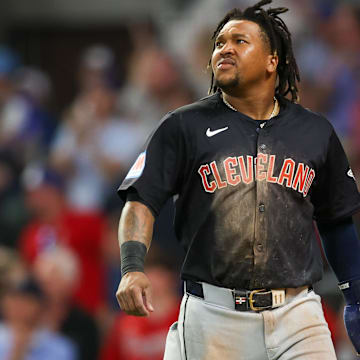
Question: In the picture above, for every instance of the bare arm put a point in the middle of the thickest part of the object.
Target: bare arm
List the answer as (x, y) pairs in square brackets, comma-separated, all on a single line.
[(136, 223), (134, 292)]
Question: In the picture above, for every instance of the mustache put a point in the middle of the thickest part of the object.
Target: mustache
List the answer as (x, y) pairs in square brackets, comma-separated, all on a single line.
[(226, 60)]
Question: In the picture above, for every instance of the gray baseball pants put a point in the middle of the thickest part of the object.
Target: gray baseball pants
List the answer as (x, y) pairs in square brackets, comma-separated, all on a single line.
[(209, 329)]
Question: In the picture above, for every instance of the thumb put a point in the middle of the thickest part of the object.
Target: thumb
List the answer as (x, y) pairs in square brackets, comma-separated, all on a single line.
[(148, 299)]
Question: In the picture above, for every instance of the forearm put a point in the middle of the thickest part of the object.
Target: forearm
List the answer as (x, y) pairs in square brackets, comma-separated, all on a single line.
[(135, 233), (136, 223), (342, 248)]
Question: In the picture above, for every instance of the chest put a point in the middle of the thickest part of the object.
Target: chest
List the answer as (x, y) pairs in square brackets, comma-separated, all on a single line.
[(234, 151)]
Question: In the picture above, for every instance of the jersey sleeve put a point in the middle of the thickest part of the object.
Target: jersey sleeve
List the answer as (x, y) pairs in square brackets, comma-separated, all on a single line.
[(335, 195), (156, 175)]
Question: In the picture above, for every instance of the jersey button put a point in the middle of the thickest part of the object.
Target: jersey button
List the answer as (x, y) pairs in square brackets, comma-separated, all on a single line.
[(261, 207), (260, 247), (262, 146)]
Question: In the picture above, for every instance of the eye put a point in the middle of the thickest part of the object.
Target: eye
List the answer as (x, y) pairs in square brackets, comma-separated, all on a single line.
[(219, 44), (240, 41)]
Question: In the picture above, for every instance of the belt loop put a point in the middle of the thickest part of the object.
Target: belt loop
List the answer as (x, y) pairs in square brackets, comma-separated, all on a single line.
[(219, 296)]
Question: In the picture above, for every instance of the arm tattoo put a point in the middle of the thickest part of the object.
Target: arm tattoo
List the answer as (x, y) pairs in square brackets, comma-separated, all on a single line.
[(136, 223)]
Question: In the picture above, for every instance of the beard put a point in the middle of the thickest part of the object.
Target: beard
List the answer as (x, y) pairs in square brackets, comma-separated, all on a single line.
[(227, 84)]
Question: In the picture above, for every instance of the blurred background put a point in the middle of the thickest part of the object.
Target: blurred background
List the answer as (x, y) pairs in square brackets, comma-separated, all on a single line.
[(82, 84)]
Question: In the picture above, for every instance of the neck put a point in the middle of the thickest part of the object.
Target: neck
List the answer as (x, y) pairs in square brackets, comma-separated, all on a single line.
[(258, 106), (55, 313)]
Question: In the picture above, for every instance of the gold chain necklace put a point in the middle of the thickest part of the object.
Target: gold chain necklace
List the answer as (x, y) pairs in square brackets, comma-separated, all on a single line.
[(274, 112)]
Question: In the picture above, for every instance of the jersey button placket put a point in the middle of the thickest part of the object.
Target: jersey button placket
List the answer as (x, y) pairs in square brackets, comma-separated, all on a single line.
[(259, 245)]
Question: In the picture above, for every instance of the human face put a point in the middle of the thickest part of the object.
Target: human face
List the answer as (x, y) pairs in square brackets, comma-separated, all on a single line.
[(21, 309), (241, 56)]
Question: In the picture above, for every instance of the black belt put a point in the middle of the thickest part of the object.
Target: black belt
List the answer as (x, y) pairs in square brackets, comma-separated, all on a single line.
[(244, 300)]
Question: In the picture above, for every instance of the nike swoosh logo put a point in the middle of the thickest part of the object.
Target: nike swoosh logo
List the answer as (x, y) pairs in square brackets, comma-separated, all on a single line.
[(350, 174), (210, 133)]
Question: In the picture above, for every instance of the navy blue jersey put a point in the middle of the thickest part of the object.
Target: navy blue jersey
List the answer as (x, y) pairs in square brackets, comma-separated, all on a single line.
[(247, 193)]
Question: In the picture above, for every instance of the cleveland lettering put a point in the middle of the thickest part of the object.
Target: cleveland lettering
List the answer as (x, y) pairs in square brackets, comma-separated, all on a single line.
[(247, 169)]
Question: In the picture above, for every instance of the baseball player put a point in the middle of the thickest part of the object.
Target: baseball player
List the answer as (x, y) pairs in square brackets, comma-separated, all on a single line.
[(251, 170)]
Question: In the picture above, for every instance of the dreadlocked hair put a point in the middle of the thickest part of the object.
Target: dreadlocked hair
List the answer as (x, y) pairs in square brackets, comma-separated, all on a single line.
[(278, 37)]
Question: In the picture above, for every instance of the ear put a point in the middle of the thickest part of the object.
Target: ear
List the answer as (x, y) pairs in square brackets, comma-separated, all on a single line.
[(272, 63)]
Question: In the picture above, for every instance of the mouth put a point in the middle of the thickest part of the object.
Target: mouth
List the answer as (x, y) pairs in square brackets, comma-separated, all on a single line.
[(225, 64)]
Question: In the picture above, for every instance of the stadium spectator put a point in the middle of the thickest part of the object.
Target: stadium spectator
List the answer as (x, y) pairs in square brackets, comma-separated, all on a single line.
[(93, 146), (12, 269), (57, 272), (13, 214), (25, 126), (156, 82), (54, 224), (134, 338), (22, 335)]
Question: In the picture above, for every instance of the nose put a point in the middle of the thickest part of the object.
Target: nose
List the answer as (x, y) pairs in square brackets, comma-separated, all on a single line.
[(227, 48)]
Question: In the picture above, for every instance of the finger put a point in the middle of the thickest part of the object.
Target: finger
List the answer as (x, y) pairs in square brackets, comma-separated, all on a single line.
[(132, 304), (139, 303), (125, 303), (121, 303), (147, 298), (118, 298)]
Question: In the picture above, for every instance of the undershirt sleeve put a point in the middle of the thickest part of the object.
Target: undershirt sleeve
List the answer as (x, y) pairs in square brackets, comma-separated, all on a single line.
[(342, 248)]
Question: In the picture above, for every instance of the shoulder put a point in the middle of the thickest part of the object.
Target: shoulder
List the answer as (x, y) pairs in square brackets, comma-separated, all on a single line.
[(208, 103), (308, 117), (183, 118), (199, 108)]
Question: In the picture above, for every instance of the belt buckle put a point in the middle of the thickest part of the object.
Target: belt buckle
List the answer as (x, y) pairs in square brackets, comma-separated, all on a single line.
[(251, 300)]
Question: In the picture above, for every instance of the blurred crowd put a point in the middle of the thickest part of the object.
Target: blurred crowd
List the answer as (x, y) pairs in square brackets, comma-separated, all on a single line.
[(59, 257)]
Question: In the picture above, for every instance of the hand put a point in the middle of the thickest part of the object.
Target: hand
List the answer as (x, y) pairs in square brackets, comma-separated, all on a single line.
[(352, 324), (134, 294)]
